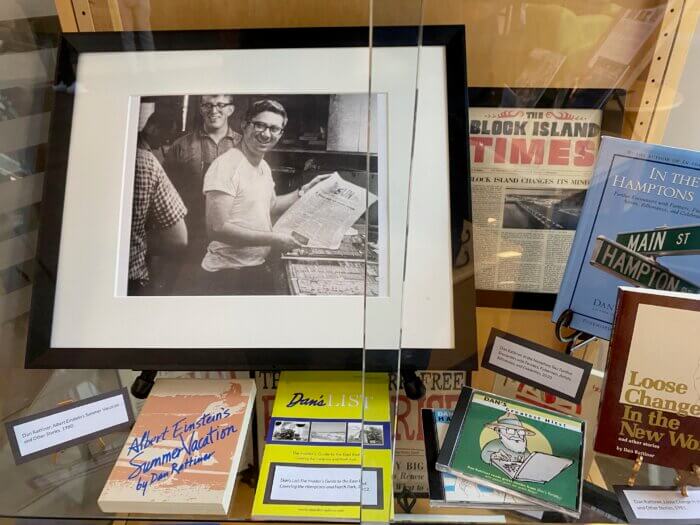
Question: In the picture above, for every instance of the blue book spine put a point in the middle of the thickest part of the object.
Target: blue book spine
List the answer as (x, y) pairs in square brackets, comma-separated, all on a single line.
[(635, 187)]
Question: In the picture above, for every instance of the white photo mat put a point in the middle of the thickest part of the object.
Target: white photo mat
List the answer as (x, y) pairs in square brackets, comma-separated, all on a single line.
[(90, 312)]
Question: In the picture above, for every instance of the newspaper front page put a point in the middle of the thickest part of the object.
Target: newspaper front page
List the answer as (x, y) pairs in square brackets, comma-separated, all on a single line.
[(324, 214), (529, 171)]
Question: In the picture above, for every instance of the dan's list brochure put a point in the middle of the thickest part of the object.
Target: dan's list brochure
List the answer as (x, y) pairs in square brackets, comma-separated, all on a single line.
[(183, 453), (322, 460)]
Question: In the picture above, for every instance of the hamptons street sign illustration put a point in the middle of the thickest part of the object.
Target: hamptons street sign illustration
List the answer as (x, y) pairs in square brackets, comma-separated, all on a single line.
[(679, 240), (633, 267)]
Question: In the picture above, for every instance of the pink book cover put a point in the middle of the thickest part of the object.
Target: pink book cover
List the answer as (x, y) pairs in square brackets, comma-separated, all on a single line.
[(183, 453)]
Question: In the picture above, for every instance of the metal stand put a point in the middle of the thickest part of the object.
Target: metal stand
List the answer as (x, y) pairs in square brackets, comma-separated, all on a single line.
[(575, 340), (406, 499), (635, 470), (683, 479), (412, 384), (143, 383)]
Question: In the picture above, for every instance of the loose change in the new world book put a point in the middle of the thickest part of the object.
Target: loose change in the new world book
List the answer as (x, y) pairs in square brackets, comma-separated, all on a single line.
[(521, 449), (651, 402)]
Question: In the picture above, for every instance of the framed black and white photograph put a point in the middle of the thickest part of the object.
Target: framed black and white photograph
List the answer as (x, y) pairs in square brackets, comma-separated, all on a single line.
[(215, 197)]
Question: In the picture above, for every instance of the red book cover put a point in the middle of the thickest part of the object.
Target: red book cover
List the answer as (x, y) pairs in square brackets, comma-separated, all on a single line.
[(651, 400), (182, 454)]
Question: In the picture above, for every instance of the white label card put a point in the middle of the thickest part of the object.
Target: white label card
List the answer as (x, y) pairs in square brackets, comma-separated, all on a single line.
[(65, 426), (329, 485), (528, 362), (660, 505)]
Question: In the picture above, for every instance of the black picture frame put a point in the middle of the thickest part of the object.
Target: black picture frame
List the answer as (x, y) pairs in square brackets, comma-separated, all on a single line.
[(40, 353), (610, 101)]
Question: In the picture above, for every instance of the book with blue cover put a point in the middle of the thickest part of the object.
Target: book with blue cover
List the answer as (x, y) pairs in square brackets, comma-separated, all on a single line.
[(640, 225)]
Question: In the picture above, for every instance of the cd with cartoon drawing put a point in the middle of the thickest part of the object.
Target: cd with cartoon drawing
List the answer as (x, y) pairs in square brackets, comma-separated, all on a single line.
[(517, 448)]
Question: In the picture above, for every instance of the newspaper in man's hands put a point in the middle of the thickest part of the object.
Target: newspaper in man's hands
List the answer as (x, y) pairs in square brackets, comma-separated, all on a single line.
[(320, 218)]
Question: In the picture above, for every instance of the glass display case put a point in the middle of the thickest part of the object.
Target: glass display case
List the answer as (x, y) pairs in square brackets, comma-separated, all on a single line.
[(409, 175)]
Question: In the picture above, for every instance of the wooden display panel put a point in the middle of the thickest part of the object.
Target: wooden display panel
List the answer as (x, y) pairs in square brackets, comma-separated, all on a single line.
[(501, 35)]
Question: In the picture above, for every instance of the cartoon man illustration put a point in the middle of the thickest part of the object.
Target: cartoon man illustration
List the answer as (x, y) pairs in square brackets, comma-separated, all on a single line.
[(511, 444)]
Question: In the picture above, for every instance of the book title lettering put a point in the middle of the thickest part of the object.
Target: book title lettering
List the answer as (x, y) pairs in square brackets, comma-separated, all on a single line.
[(633, 423), (639, 396), (192, 439), (345, 400), (659, 184)]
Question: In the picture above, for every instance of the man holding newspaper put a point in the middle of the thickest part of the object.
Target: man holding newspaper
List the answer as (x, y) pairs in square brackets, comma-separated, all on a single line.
[(241, 206)]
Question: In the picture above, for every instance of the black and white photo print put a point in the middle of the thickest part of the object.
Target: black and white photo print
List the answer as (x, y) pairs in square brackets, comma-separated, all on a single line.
[(256, 195)]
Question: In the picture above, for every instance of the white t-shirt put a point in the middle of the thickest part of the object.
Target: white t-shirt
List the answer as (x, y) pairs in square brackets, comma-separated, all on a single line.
[(253, 191)]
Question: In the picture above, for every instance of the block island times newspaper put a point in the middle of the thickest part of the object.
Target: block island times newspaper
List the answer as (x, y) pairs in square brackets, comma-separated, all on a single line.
[(529, 171)]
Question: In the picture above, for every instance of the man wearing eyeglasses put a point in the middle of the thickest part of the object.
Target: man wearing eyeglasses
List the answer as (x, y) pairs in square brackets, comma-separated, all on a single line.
[(241, 206), (189, 158), (511, 444)]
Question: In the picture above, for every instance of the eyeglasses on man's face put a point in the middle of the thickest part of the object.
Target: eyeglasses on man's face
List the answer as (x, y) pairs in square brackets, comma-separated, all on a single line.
[(208, 106), (514, 432), (261, 127)]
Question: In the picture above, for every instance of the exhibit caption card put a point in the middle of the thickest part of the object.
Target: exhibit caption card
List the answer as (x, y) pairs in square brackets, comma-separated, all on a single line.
[(555, 372), (68, 425), (659, 504)]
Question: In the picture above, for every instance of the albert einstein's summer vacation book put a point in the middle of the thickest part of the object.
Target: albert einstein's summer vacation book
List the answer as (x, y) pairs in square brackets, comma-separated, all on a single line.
[(322, 459), (523, 450), (640, 225), (183, 453), (651, 401)]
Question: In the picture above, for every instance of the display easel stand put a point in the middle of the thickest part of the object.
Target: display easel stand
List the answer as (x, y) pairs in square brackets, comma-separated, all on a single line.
[(412, 384), (683, 479), (575, 340), (406, 499), (635, 470)]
